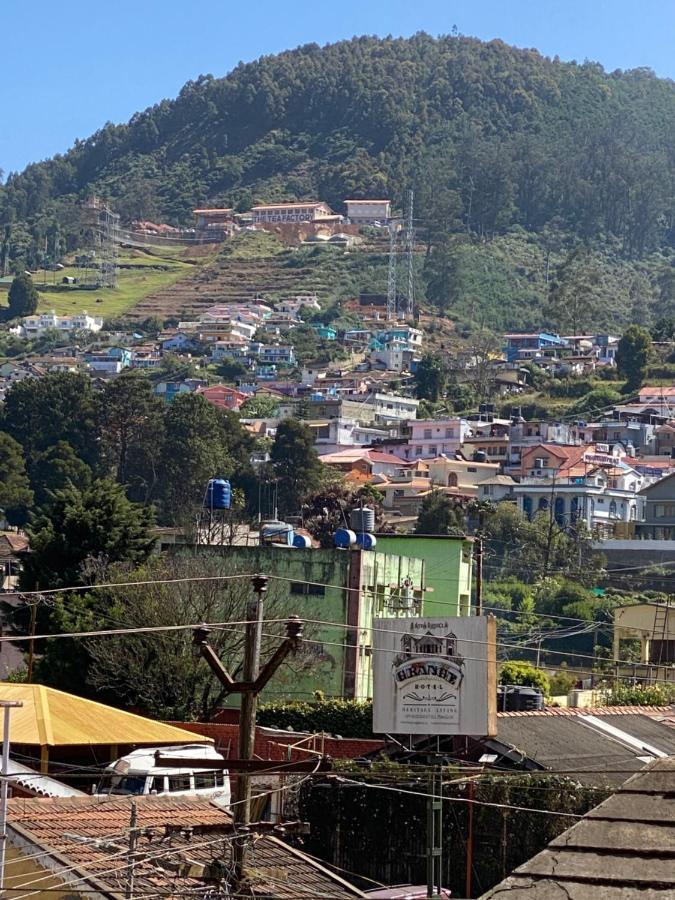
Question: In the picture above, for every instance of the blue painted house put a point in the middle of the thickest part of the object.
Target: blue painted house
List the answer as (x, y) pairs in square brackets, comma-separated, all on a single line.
[(524, 346)]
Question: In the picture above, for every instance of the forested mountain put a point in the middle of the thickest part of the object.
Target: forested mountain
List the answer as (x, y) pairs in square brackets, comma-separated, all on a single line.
[(490, 136)]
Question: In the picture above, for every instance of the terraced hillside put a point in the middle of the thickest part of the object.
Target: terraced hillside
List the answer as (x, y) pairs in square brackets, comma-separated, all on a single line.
[(255, 264)]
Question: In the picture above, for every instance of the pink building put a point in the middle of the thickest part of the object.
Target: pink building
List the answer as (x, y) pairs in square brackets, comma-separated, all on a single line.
[(223, 396)]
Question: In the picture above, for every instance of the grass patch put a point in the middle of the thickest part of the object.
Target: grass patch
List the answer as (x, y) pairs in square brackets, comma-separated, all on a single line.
[(143, 273)]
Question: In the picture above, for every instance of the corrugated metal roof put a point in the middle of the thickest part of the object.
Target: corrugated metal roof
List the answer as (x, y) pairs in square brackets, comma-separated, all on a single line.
[(55, 719), (38, 784)]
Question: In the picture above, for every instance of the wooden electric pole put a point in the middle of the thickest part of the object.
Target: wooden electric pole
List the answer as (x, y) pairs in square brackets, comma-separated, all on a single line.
[(254, 680)]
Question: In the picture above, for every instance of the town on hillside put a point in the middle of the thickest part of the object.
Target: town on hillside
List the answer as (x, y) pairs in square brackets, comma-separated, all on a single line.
[(337, 536)]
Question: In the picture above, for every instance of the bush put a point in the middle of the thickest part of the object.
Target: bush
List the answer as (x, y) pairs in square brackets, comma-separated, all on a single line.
[(562, 683), (348, 718), (639, 695), (516, 672)]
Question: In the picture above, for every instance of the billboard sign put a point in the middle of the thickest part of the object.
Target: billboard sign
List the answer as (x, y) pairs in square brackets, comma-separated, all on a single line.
[(435, 676)]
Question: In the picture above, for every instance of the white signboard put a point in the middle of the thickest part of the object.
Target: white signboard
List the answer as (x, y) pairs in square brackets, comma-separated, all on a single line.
[(435, 676)]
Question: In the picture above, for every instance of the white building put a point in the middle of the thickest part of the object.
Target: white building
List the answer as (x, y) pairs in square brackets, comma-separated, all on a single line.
[(390, 407), (368, 212), (430, 438), (602, 497), (280, 213), (294, 304), (31, 326)]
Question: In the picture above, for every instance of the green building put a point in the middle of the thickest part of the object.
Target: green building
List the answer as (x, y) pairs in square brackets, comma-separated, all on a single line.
[(447, 569), (337, 593)]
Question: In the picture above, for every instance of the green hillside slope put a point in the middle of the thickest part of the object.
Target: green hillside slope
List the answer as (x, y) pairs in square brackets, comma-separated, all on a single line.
[(492, 139)]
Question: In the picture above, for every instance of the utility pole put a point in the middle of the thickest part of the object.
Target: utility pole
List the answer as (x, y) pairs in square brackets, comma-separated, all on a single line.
[(7, 705), (131, 855), (435, 835), (254, 680), (478, 554)]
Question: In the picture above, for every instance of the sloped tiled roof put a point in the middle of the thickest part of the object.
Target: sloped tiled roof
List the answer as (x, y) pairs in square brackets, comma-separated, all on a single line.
[(622, 849), (64, 828)]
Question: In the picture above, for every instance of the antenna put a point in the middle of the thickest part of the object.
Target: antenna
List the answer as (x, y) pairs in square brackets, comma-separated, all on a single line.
[(409, 246), (391, 282)]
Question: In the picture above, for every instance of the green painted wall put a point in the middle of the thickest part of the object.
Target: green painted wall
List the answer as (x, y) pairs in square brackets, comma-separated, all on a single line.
[(313, 584), (447, 569)]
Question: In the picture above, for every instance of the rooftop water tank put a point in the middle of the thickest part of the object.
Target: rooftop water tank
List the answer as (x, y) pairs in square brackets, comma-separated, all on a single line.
[(279, 532), (479, 456), (365, 540), (344, 538), (218, 494), (302, 542), (362, 519), (518, 698)]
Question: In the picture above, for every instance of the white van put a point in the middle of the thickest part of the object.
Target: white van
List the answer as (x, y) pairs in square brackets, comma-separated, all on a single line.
[(138, 773)]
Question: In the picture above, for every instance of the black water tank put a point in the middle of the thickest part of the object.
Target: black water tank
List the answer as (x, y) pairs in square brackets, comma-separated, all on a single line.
[(517, 698)]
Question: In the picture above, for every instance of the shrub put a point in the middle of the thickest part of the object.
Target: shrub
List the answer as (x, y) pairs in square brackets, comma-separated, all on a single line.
[(348, 718), (517, 672), (639, 695)]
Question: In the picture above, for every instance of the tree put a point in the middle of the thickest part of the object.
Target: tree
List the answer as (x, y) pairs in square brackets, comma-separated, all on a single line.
[(443, 273), (231, 370), (574, 296), (439, 514), (23, 297), (430, 378), (632, 356), (326, 510), (263, 407), (96, 526), (57, 468), (40, 412), (131, 427), (516, 672), (161, 672), (296, 464), (201, 442), (16, 497), (595, 402)]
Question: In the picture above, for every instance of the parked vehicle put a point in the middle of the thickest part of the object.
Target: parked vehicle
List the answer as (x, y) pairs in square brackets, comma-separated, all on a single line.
[(137, 773)]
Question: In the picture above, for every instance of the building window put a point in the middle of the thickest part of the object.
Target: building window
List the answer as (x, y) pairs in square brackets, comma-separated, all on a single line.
[(449, 433), (432, 450), (304, 589), (427, 434)]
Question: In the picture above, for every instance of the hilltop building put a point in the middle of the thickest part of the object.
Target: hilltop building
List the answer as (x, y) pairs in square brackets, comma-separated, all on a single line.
[(368, 212), (282, 213)]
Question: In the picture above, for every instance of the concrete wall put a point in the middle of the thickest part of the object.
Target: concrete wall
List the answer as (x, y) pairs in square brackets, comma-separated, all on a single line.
[(344, 587), (448, 569)]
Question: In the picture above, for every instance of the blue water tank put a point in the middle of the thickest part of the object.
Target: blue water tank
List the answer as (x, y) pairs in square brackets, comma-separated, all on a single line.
[(365, 540), (302, 542), (344, 538), (218, 494)]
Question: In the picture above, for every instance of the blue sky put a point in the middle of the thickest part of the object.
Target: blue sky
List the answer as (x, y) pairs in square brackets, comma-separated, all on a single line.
[(69, 67)]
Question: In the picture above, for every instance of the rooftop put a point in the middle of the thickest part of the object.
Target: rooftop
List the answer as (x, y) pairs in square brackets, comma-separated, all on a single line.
[(624, 848), (51, 718), (91, 836)]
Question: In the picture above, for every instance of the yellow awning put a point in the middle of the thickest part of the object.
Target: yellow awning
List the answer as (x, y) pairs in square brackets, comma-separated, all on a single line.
[(51, 718)]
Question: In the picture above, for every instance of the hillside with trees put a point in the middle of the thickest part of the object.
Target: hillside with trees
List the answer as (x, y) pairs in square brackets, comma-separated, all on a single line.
[(535, 180)]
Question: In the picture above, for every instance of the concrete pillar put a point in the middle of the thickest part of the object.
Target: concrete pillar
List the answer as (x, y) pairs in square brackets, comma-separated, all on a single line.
[(645, 648)]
